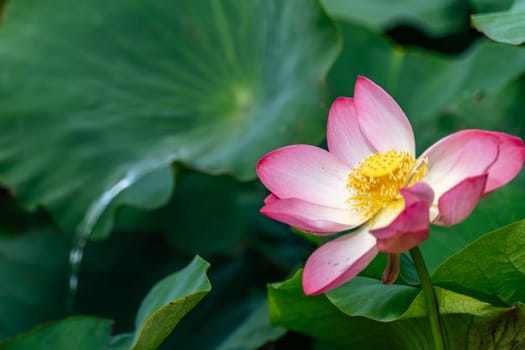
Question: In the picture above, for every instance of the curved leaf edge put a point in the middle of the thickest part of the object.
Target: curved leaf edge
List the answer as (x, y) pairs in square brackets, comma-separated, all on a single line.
[(178, 307)]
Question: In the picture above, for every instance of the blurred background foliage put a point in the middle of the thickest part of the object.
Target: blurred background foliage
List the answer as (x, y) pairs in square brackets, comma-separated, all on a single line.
[(130, 130)]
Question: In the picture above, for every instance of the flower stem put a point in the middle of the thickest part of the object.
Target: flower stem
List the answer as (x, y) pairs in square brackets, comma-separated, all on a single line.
[(430, 298)]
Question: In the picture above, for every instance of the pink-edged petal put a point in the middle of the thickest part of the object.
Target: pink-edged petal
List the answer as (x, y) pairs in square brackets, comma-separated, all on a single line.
[(270, 198), (457, 203), (460, 156), (411, 226), (344, 137), (337, 261), (305, 172), (509, 163), (310, 217), (381, 119)]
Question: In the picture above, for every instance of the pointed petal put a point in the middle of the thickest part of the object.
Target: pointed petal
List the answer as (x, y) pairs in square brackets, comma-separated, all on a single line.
[(412, 225), (310, 217), (305, 172), (457, 203), (381, 119), (270, 198), (509, 163), (460, 156), (344, 137), (337, 261)]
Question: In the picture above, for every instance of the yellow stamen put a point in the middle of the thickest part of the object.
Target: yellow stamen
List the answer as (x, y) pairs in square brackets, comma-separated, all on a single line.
[(375, 181)]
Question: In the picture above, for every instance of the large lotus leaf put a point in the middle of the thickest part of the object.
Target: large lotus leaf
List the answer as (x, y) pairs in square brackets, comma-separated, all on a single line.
[(79, 333), (504, 26), (33, 275), (424, 83), (437, 18), (469, 323), (165, 305), (492, 267), (95, 94)]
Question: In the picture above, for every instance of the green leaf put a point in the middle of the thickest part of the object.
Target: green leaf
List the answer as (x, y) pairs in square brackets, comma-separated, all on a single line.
[(79, 333), (368, 297), (165, 305), (425, 84), (469, 323), (228, 308), (479, 6), (39, 294), (491, 268), (451, 303), (489, 273), (504, 26), (201, 82), (318, 317), (504, 331), (437, 18), (445, 241), (3, 5), (33, 276)]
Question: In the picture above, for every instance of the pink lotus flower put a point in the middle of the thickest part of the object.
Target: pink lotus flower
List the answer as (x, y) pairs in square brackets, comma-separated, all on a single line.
[(371, 180)]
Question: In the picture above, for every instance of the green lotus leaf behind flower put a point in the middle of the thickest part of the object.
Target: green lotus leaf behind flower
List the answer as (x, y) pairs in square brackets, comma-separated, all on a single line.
[(503, 26), (436, 18), (104, 93)]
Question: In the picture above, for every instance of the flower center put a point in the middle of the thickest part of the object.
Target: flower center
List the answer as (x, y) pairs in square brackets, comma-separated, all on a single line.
[(376, 180)]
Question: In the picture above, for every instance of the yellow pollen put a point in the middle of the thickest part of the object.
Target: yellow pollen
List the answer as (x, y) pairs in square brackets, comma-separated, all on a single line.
[(381, 164), (376, 180)]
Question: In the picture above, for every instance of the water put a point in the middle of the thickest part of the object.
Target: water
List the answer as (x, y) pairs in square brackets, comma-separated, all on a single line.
[(85, 230), (75, 260)]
